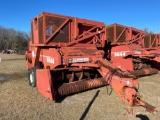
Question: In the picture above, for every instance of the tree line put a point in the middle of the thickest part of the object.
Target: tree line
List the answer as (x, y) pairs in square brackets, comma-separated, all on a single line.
[(11, 39), (146, 30)]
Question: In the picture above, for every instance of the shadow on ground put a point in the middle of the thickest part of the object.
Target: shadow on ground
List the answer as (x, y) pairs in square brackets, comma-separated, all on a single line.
[(142, 117), (89, 105)]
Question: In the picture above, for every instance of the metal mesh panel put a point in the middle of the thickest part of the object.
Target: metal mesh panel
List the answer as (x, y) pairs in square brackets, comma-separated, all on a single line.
[(134, 35), (53, 23), (82, 29), (40, 30), (146, 41), (119, 30), (158, 40), (32, 32), (62, 36), (110, 34), (152, 39)]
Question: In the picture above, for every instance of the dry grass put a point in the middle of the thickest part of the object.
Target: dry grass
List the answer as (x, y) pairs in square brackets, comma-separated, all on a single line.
[(20, 101)]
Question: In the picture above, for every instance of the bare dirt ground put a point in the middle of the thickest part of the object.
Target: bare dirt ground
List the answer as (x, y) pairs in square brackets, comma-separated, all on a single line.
[(19, 101)]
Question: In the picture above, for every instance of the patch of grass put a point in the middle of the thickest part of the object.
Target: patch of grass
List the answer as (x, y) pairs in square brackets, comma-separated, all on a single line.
[(19, 101)]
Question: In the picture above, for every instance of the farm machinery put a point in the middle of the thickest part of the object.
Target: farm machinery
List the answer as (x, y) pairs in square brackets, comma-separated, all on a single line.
[(127, 47), (66, 56), (152, 45)]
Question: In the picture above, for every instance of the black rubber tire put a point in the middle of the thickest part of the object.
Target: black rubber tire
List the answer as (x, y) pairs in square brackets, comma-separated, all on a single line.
[(32, 76)]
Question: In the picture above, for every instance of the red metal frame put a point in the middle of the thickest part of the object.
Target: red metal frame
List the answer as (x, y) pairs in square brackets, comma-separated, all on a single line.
[(125, 33), (69, 54), (152, 45), (152, 41), (76, 35), (127, 45)]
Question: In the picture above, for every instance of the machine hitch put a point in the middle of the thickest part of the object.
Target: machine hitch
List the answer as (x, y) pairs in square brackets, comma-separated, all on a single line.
[(124, 83)]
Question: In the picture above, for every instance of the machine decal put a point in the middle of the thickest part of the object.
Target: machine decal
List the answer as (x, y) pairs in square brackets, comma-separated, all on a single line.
[(80, 60), (119, 54), (50, 60), (137, 52)]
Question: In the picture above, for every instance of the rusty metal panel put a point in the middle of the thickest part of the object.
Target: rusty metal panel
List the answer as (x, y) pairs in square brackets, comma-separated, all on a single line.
[(118, 36), (83, 28), (54, 23), (150, 40), (32, 32), (153, 37), (62, 36), (40, 30), (158, 42), (146, 41), (119, 30), (74, 51), (110, 34)]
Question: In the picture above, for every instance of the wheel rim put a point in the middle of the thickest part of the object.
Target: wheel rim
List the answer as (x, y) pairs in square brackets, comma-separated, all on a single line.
[(31, 78)]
